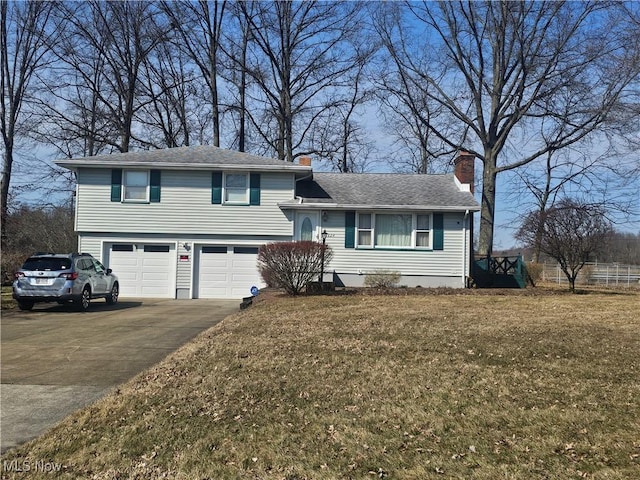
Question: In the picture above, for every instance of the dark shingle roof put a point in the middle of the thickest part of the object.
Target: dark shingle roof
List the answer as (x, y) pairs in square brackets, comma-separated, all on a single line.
[(203, 156), (385, 190)]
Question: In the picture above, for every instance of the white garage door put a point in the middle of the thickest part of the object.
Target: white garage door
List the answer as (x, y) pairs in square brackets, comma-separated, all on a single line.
[(226, 272), (144, 270)]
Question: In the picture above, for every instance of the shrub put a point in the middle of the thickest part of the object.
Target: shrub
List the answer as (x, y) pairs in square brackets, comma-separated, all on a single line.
[(292, 265), (382, 279), (534, 272)]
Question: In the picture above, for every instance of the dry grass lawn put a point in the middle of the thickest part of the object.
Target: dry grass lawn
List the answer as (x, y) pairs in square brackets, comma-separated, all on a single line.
[(465, 386)]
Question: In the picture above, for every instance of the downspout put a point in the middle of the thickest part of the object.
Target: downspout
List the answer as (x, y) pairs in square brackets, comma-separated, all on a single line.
[(465, 252)]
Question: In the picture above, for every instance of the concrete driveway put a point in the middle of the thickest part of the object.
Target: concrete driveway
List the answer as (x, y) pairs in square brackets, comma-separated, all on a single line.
[(55, 361)]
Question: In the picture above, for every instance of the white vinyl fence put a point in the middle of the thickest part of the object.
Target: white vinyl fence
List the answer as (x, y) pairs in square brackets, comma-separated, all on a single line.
[(609, 274)]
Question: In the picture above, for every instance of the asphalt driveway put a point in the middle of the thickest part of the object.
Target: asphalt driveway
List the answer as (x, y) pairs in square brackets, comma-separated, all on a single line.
[(55, 361)]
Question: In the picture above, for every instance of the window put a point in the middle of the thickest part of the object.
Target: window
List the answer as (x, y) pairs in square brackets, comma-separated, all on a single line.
[(122, 247), (423, 235), (214, 249), (98, 266), (306, 231), (136, 186), (246, 250), (85, 264), (156, 248), (394, 230), (41, 264), (236, 188), (140, 186), (364, 230)]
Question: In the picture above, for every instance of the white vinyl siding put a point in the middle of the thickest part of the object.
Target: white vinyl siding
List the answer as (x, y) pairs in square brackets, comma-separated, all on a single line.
[(444, 263), (186, 207)]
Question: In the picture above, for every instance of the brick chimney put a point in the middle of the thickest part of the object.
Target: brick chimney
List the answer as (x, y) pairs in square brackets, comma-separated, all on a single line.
[(464, 169), (305, 161)]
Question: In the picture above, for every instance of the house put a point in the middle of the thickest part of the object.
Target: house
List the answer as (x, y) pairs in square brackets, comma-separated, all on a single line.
[(187, 222)]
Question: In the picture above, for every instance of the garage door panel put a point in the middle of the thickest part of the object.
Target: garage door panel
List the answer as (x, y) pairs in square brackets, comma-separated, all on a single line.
[(213, 277), (226, 272), (246, 278), (213, 264), (144, 272)]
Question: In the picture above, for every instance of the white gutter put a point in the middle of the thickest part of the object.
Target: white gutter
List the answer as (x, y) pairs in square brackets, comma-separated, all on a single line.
[(86, 163), (362, 207), (465, 248)]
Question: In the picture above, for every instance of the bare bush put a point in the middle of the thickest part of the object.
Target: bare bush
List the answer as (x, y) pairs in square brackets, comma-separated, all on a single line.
[(534, 272), (292, 265), (32, 230), (382, 279)]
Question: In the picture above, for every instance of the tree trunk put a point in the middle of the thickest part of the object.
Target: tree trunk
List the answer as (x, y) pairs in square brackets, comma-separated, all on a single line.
[(243, 91), (6, 179), (487, 208)]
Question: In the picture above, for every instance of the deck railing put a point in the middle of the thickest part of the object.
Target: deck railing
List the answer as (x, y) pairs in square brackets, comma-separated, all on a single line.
[(500, 272)]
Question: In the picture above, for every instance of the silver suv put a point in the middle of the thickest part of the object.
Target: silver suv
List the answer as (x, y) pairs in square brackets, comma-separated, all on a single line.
[(62, 278)]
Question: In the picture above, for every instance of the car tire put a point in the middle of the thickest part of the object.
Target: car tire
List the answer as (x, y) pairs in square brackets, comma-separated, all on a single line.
[(112, 298), (25, 305), (82, 304)]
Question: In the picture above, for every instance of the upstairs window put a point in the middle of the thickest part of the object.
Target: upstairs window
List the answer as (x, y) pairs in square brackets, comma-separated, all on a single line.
[(136, 186), (236, 188)]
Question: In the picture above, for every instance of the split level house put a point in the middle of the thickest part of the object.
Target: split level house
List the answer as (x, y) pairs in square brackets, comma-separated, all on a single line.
[(188, 222)]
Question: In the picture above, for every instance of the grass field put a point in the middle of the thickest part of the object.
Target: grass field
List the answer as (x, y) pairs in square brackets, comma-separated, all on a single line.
[(537, 384)]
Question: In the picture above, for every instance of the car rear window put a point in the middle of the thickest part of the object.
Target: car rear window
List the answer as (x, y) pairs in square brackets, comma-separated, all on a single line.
[(47, 263)]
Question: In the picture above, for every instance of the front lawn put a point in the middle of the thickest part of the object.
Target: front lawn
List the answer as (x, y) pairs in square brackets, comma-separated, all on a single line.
[(514, 386)]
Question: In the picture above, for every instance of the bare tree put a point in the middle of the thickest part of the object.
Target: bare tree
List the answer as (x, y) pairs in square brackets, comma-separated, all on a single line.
[(572, 233), (198, 26), (500, 69), (168, 85), (298, 58), (26, 34), (407, 109), (105, 52), (341, 139), (237, 48)]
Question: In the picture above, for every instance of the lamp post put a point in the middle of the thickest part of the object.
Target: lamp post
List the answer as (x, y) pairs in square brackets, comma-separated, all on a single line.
[(324, 241)]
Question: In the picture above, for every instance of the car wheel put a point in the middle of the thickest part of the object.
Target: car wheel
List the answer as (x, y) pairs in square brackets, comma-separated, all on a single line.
[(25, 305), (82, 304), (112, 298)]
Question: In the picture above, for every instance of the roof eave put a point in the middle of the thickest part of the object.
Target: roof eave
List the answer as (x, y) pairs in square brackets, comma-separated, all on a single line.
[(85, 163), (337, 206)]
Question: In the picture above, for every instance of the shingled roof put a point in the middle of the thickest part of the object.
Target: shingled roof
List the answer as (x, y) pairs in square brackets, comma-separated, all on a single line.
[(385, 190), (196, 157)]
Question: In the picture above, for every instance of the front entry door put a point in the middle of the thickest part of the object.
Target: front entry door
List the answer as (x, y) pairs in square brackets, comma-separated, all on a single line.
[(308, 226)]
